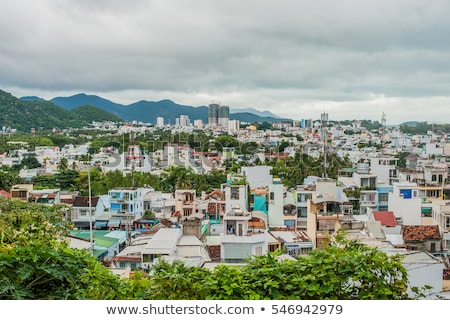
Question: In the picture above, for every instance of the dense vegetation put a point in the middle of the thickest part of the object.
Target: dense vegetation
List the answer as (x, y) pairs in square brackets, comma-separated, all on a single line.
[(44, 115), (37, 263)]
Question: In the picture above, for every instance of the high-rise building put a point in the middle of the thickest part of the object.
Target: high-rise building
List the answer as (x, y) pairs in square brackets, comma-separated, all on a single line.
[(233, 126), (213, 115), (159, 121), (218, 115), (184, 121), (224, 116), (198, 123)]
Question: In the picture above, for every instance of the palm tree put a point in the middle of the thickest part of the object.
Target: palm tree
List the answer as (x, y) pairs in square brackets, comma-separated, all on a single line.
[(63, 164)]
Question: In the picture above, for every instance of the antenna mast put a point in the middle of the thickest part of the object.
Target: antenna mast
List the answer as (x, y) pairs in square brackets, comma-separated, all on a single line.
[(383, 129)]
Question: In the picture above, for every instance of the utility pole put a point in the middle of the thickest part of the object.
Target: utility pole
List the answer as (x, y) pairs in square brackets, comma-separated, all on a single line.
[(131, 157), (91, 236), (324, 122)]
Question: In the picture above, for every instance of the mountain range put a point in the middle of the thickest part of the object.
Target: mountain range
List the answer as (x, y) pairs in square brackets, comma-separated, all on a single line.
[(41, 115), (148, 111), (81, 109)]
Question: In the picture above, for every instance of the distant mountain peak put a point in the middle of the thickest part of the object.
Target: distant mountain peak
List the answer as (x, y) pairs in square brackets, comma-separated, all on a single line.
[(254, 111), (31, 98)]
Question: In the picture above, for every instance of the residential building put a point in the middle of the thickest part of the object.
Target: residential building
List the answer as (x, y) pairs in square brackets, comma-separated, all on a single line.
[(160, 122), (405, 202), (258, 176), (233, 126), (385, 168), (239, 241), (383, 197), (125, 206), (236, 195), (297, 243), (185, 203), (83, 214), (303, 194), (160, 204), (422, 238), (441, 215), (45, 196), (21, 191)]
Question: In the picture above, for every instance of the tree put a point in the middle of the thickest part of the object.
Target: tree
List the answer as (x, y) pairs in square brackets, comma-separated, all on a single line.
[(36, 262), (63, 164), (8, 179), (345, 269), (30, 162)]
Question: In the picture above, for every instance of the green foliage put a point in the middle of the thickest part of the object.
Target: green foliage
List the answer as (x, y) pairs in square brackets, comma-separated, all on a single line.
[(176, 282), (8, 178), (64, 180), (416, 128), (346, 269), (44, 115), (226, 141), (36, 262), (63, 164), (293, 171), (40, 271), (30, 162), (90, 113)]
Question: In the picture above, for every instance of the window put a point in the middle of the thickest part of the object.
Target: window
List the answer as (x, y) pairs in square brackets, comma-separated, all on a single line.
[(433, 177), (303, 197), (272, 196), (122, 265), (447, 222), (406, 193), (258, 251), (133, 266), (234, 193)]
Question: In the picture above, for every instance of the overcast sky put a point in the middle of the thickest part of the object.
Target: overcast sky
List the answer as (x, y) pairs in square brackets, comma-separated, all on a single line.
[(353, 59)]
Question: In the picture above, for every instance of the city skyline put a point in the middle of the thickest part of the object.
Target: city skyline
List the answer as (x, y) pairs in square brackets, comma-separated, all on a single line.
[(297, 59)]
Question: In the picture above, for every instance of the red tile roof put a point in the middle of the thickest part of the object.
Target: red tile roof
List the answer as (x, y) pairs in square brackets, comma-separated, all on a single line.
[(214, 252), (387, 218), (420, 233), (127, 259), (5, 194)]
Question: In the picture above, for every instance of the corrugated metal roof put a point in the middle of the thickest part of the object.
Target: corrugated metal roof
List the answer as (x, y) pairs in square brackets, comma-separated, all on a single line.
[(189, 240), (163, 242), (189, 251), (291, 236), (375, 230)]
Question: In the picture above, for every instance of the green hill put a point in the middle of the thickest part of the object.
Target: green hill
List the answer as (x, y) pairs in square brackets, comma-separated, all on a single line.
[(42, 115), (90, 113)]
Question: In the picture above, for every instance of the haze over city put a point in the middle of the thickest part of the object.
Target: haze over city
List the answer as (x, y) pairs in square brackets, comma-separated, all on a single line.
[(297, 59)]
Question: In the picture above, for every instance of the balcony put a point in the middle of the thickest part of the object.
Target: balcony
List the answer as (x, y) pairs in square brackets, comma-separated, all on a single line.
[(248, 238), (367, 203)]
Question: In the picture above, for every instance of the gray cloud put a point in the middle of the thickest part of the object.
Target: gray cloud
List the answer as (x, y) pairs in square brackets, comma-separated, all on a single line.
[(287, 56)]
